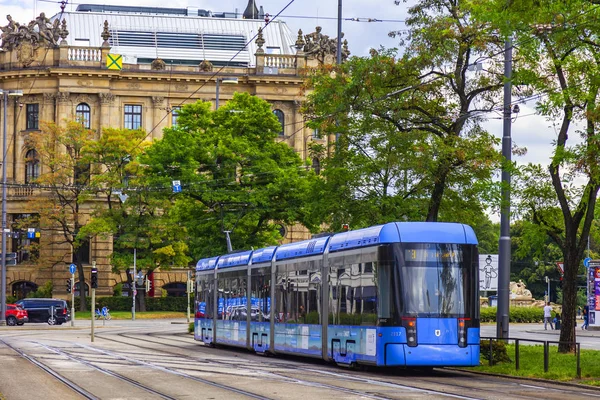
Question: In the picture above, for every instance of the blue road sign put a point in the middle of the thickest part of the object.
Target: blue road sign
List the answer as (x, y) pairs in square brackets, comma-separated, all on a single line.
[(586, 262), (72, 268)]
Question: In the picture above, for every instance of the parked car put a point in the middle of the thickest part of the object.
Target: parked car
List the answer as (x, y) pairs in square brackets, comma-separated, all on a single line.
[(15, 315), (40, 310)]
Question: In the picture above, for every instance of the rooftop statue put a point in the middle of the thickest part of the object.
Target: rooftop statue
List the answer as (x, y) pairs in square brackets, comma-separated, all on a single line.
[(320, 46), (40, 31)]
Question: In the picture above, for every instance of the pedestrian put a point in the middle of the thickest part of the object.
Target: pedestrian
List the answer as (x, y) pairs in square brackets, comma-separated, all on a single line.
[(585, 318), (548, 316), (556, 321)]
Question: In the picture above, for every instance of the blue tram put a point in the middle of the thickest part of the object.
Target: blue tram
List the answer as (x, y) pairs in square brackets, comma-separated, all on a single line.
[(398, 294)]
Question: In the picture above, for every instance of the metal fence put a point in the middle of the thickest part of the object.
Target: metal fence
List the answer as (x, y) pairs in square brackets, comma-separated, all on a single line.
[(545, 343)]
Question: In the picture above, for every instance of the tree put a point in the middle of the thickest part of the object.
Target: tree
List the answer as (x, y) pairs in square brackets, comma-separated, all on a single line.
[(410, 142), (558, 48), (234, 175), (134, 215), (64, 182)]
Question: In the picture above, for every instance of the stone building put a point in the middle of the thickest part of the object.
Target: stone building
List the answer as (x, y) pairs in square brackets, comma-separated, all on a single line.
[(131, 67)]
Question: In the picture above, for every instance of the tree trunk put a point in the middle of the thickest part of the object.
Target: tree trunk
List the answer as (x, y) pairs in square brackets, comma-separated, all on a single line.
[(435, 201), (141, 300), (569, 306)]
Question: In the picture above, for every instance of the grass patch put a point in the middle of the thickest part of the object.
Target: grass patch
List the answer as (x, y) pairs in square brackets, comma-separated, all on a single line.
[(138, 315), (561, 367)]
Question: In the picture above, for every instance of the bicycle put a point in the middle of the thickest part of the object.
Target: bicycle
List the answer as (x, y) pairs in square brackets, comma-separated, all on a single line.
[(104, 314)]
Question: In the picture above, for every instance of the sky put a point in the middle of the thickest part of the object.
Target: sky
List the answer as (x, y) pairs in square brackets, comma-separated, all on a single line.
[(528, 130)]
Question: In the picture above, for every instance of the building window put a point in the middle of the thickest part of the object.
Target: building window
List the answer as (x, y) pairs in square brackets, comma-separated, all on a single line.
[(82, 115), (33, 113), (281, 118), (316, 166), (174, 116), (32, 166), (316, 134), (133, 116)]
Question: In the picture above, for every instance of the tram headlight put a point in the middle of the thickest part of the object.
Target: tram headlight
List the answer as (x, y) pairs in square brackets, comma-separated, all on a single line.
[(463, 325), (410, 325)]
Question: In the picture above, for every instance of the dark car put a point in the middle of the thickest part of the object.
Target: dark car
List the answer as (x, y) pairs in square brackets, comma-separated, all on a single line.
[(15, 315), (40, 310)]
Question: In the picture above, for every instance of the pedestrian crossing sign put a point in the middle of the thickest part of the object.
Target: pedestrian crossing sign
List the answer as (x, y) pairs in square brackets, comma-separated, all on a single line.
[(114, 61)]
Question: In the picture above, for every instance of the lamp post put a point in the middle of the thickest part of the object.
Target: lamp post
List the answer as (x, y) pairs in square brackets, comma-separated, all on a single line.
[(227, 81), (5, 94)]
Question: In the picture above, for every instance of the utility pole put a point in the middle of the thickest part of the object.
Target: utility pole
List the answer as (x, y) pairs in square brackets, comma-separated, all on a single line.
[(502, 315), (339, 34), (134, 284)]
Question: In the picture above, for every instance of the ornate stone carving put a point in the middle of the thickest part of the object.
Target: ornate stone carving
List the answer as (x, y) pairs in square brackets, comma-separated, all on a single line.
[(106, 98), (260, 41), (134, 85), (26, 53), (63, 97), (105, 35), (181, 87), (320, 46), (157, 101), (37, 32), (206, 66), (158, 65), (63, 33), (300, 41), (83, 98), (49, 98)]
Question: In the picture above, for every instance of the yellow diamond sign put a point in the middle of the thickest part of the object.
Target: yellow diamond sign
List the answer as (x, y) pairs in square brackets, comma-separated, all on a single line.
[(114, 61)]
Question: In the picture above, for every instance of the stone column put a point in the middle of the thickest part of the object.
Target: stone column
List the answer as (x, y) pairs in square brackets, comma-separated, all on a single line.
[(158, 111), (107, 101), (63, 106)]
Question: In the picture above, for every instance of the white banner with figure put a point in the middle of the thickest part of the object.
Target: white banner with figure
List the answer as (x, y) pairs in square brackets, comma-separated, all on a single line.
[(488, 272)]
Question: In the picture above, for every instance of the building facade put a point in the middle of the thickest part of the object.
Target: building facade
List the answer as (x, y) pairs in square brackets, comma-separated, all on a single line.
[(132, 67)]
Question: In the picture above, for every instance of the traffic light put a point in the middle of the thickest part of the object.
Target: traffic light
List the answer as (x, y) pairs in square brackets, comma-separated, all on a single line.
[(69, 286), (148, 284), (94, 278)]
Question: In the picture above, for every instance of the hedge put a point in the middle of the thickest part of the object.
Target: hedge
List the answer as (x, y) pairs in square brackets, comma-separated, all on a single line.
[(517, 314), (124, 303)]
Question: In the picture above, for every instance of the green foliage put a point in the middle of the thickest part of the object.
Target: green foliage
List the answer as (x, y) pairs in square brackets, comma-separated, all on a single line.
[(235, 175), (517, 314), (191, 327), (152, 303), (118, 290), (44, 291), (498, 352)]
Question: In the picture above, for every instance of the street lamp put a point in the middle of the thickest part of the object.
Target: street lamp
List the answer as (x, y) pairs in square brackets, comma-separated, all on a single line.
[(5, 94), (227, 81)]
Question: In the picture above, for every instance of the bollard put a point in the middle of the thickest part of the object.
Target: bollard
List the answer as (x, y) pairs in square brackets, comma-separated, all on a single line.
[(546, 355), (517, 354)]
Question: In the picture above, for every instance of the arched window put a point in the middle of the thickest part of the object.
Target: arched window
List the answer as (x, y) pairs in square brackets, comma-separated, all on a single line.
[(316, 165), (32, 166), (82, 115), (281, 117)]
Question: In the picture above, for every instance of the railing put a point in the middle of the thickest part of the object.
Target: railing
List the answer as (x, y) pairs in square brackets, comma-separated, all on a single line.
[(546, 344), (280, 61), (84, 54), (20, 191)]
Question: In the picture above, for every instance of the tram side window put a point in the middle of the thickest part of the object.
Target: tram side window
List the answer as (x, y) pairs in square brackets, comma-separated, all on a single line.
[(261, 296), (282, 298), (384, 283)]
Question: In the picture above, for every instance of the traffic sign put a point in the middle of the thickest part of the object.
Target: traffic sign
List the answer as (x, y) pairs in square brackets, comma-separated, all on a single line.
[(176, 186), (72, 268), (586, 262)]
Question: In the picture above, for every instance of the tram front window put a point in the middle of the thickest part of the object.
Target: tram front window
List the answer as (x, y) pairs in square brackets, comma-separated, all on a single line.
[(436, 281)]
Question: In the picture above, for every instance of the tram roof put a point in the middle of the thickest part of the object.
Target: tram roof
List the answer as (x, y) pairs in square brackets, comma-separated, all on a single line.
[(234, 260), (405, 232), (305, 248), (263, 255), (207, 263)]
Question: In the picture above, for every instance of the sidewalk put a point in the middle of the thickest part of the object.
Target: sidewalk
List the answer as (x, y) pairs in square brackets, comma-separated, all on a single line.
[(579, 332)]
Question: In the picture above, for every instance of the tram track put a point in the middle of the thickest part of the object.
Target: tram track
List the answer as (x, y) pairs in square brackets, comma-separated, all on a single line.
[(70, 384), (473, 378)]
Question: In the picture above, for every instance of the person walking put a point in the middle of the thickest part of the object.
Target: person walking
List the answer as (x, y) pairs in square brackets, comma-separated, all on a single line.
[(548, 316), (585, 318)]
